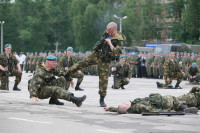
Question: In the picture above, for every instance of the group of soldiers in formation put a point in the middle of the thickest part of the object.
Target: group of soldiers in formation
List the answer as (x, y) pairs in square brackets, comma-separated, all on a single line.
[(101, 62)]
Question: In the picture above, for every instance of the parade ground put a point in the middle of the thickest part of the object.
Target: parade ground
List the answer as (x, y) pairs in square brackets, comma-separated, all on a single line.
[(19, 115)]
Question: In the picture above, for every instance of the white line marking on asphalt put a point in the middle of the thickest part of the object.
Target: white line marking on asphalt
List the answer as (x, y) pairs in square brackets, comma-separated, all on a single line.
[(106, 131), (21, 119)]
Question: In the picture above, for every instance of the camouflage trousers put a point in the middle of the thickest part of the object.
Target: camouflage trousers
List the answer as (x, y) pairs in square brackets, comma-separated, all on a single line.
[(179, 77), (55, 90), (134, 70), (103, 69), (119, 81), (161, 70), (149, 70), (77, 75), (155, 71), (190, 99), (13, 72)]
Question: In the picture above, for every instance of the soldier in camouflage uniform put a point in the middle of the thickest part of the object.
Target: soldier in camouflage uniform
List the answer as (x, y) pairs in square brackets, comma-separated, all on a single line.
[(106, 50), (122, 73), (27, 62), (134, 60), (149, 61), (198, 60), (9, 66), (156, 66), (68, 61), (154, 103), (194, 74), (44, 84), (172, 70), (161, 61), (32, 63)]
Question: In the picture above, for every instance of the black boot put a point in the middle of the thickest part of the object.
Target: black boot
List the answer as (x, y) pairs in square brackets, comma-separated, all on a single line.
[(77, 100), (15, 88), (55, 101), (102, 103), (177, 86), (77, 88), (158, 84), (192, 110), (122, 86)]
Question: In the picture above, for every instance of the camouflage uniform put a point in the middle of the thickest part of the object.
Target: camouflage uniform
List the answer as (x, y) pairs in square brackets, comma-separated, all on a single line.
[(149, 61), (172, 70), (134, 61), (154, 103), (11, 62), (193, 72), (44, 84), (121, 73), (161, 64), (97, 58), (69, 62), (27, 62)]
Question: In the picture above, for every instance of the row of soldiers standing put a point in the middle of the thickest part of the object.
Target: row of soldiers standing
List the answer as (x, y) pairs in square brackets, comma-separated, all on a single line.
[(148, 65), (154, 63)]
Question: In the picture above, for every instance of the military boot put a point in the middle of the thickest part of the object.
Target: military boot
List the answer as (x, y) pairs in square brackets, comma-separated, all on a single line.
[(177, 86), (77, 100), (102, 103), (55, 101), (122, 86), (15, 88), (192, 110), (77, 88), (158, 84)]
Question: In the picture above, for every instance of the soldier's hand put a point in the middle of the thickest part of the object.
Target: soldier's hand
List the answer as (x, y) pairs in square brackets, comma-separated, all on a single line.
[(72, 83), (34, 99), (113, 68), (168, 80), (19, 71), (183, 73), (127, 79), (66, 68), (5, 69), (79, 71), (106, 108)]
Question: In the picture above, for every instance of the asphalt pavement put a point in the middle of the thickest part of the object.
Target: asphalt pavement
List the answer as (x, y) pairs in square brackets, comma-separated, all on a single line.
[(19, 115)]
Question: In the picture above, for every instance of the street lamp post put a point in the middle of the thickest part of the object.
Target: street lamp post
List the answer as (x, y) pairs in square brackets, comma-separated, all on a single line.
[(1, 22), (120, 20), (57, 46)]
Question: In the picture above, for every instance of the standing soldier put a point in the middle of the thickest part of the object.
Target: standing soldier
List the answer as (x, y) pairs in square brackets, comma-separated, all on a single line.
[(122, 73), (161, 65), (9, 65), (156, 66), (149, 60), (198, 60), (106, 50), (66, 62), (134, 60), (27, 62), (32, 63), (172, 70)]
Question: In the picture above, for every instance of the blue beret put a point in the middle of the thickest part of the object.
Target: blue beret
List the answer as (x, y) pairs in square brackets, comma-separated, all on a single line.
[(8, 45), (122, 56), (27, 52), (69, 48), (51, 58), (194, 64)]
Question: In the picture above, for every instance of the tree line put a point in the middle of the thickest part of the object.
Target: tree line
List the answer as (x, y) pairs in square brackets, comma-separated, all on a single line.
[(36, 25)]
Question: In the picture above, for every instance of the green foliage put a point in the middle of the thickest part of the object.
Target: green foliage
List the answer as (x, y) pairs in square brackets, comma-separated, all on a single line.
[(35, 25)]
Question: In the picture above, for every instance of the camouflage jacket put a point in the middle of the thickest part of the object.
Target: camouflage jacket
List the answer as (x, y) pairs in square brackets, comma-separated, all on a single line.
[(193, 71), (10, 62), (104, 51), (171, 68), (123, 71), (154, 103), (43, 77), (67, 62)]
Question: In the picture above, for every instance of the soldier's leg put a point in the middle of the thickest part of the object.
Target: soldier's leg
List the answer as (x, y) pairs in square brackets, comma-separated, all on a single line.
[(18, 75), (79, 81), (3, 82), (179, 77), (91, 59), (57, 92), (103, 69), (117, 83), (124, 82)]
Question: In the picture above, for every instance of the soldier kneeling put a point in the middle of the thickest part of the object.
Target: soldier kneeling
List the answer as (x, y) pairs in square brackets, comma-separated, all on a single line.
[(44, 84)]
